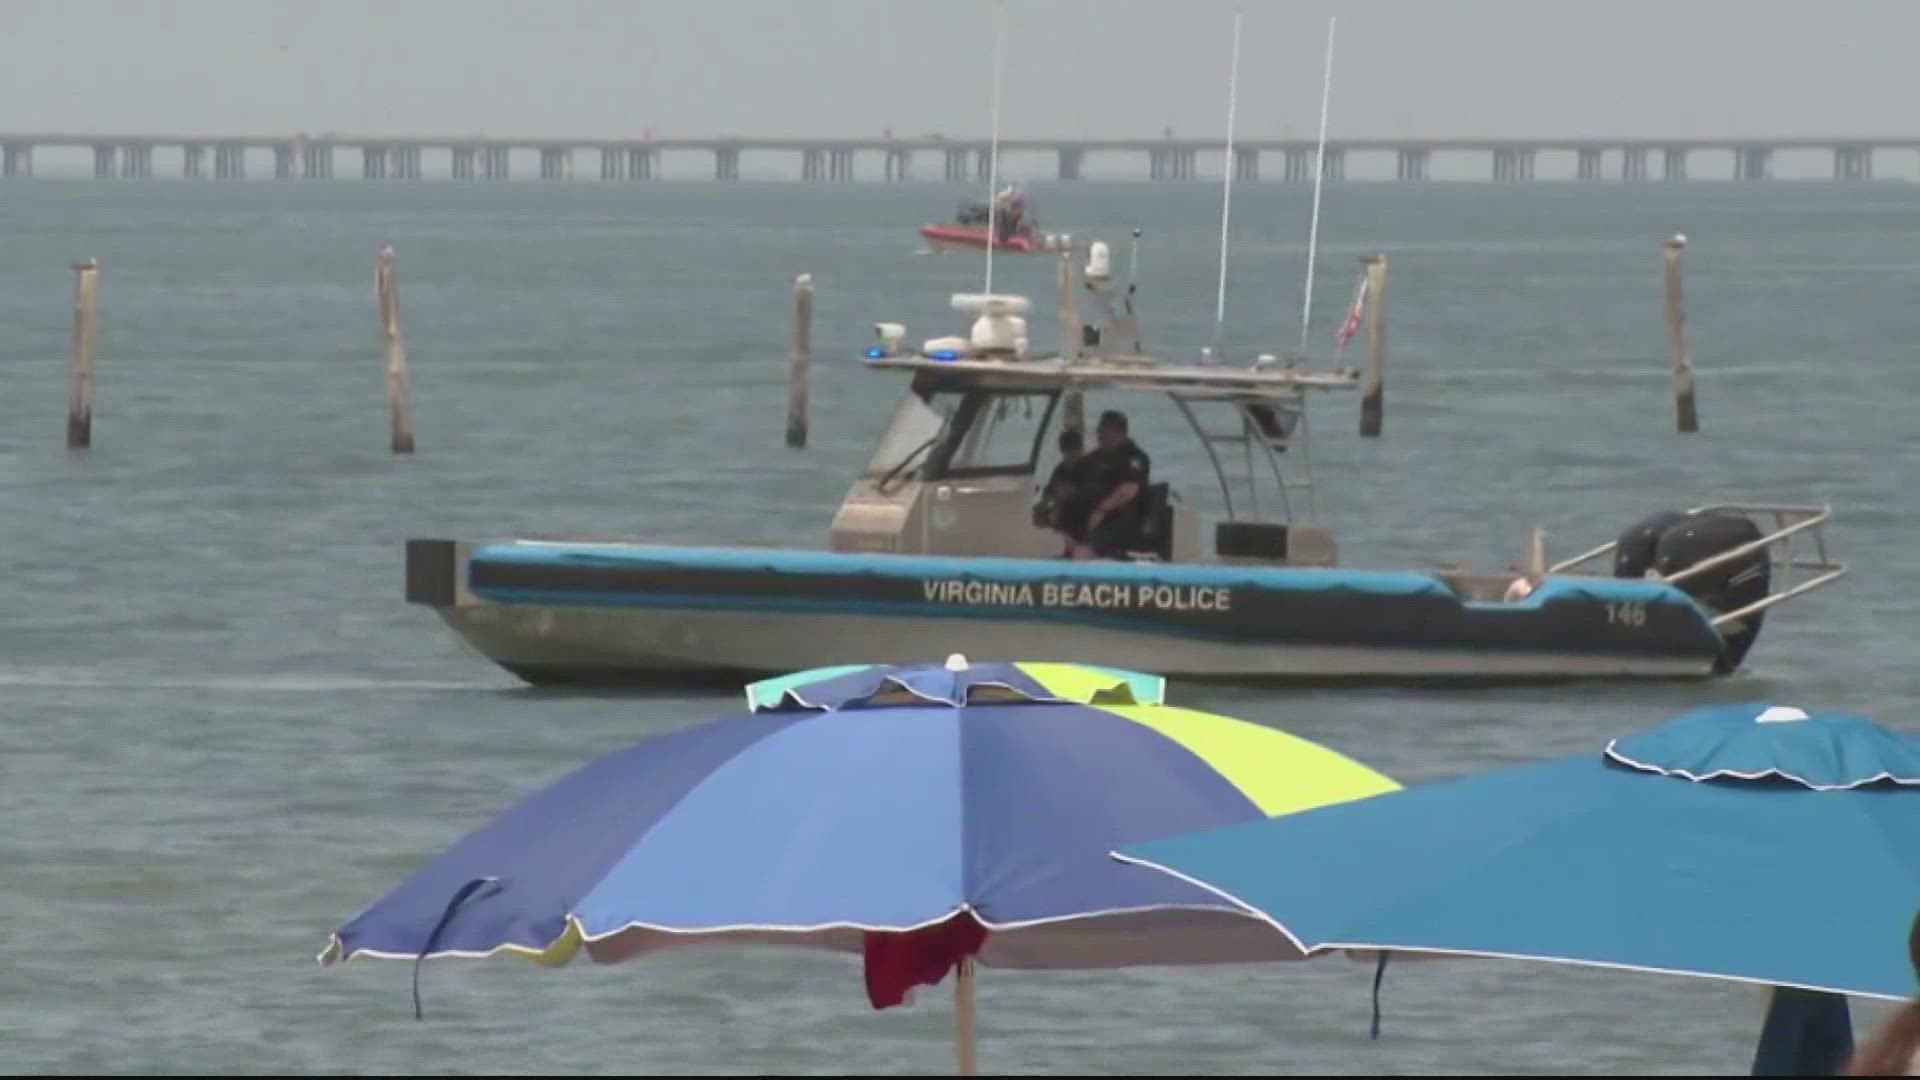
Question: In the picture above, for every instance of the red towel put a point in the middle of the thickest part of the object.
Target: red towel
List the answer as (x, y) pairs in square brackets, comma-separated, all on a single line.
[(897, 962)]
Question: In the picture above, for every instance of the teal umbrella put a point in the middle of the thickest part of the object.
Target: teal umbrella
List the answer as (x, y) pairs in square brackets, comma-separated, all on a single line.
[(1747, 842)]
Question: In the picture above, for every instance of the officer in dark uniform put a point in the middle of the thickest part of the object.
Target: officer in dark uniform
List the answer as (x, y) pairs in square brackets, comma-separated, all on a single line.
[(1112, 490)]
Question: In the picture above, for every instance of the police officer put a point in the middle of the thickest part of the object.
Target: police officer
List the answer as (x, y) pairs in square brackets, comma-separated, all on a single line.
[(1114, 482)]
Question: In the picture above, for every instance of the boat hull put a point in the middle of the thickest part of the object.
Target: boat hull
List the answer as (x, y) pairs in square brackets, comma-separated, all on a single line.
[(631, 614), (955, 236)]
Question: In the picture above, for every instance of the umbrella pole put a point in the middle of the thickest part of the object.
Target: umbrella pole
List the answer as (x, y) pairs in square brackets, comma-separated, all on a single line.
[(963, 1017)]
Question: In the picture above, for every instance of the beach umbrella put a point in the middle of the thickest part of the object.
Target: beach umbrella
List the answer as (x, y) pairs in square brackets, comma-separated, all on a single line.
[(1750, 842), (923, 817)]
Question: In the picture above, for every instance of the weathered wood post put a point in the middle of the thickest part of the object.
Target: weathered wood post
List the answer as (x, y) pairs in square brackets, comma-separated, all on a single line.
[(388, 295), (798, 360), (86, 310), (1071, 334), (1373, 392), (1685, 416)]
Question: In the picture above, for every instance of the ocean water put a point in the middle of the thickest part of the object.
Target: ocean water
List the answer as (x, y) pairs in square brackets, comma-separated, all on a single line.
[(225, 732)]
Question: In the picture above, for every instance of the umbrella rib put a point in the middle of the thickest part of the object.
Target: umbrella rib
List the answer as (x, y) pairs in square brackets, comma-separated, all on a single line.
[(1252, 911)]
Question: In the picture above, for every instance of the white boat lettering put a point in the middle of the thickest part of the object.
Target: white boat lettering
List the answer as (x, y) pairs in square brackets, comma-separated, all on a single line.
[(1627, 613), (1079, 594), (1006, 594)]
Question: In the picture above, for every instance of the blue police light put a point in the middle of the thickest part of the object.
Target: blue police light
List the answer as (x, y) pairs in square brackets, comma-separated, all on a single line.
[(943, 354), (876, 352)]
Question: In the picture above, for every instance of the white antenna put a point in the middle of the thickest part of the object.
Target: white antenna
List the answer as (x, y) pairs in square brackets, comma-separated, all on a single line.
[(1226, 198), (1319, 175), (993, 151)]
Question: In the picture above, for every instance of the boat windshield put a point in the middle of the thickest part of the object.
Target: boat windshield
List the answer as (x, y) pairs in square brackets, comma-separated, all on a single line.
[(1004, 435), (915, 429), (954, 433)]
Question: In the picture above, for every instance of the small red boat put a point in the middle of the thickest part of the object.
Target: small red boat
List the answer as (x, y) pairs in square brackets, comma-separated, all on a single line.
[(1011, 222), (960, 236)]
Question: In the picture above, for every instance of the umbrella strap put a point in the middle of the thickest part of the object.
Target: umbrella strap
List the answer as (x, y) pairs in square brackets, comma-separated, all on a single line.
[(1379, 974), (464, 894)]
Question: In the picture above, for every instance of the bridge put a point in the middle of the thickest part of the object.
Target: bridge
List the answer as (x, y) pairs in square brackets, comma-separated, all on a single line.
[(399, 157)]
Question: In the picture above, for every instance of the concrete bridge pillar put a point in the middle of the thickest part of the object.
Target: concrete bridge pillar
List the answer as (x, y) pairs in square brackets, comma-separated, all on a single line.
[(105, 161), (1673, 163), (194, 161), (956, 164), (813, 165), (136, 161), (899, 164), (1513, 164), (982, 164), (556, 163), (283, 161), (229, 162), (496, 162), (16, 159), (1335, 167), (373, 163), (1071, 160), (1633, 163), (1157, 168), (1412, 163), (1589, 165), (317, 162), (1246, 165), (1299, 169), (613, 163), (463, 162), (726, 163), (1753, 163), (1853, 163), (641, 162)]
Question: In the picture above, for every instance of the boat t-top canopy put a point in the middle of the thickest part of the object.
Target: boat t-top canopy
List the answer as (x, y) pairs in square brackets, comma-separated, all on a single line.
[(1265, 400), (1124, 372)]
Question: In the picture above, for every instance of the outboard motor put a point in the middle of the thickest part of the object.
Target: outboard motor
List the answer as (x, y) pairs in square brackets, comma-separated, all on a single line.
[(1633, 556), (1669, 542)]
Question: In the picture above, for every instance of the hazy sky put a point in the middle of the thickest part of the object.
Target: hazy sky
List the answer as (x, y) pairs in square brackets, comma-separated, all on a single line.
[(833, 67)]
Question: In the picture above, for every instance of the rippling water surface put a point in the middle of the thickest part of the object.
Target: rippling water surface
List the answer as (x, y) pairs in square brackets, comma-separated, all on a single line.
[(225, 732)]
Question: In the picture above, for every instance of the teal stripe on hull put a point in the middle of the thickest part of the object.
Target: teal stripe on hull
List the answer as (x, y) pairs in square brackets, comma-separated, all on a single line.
[(806, 605), (993, 568)]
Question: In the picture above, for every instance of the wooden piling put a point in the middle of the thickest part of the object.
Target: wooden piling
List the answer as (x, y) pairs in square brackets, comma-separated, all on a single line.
[(387, 292), (86, 309), (1373, 392), (798, 360), (1071, 336), (1686, 418)]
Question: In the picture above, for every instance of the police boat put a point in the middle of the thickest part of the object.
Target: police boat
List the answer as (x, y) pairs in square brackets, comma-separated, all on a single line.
[(937, 548)]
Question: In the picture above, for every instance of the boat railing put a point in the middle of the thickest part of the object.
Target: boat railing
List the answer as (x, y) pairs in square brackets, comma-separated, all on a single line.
[(1789, 520)]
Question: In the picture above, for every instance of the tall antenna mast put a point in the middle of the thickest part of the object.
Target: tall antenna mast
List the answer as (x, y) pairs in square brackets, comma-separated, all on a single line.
[(1226, 198), (993, 150), (1319, 176)]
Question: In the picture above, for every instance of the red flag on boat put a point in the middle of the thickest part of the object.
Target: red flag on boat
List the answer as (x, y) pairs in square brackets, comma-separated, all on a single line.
[(1352, 324)]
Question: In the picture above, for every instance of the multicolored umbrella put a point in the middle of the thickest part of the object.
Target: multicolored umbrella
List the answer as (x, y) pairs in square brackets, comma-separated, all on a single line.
[(923, 817), (1751, 842), (1084, 683)]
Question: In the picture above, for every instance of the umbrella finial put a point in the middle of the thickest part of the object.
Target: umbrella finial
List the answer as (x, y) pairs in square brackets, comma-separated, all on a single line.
[(956, 662), (1780, 714)]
